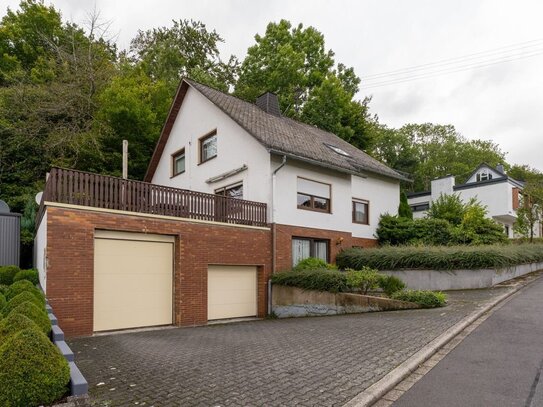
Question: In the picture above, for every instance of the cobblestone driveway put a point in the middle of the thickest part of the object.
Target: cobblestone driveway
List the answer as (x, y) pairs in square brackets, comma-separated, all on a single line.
[(322, 361)]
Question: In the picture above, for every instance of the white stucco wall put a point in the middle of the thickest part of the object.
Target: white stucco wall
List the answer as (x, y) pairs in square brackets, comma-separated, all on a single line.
[(419, 200), (382, 194), (235, 147), (498, 198), (40, 255)]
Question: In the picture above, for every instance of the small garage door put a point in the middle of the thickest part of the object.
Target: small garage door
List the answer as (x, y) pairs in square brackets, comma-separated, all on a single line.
[(231, 292), (133, 280)]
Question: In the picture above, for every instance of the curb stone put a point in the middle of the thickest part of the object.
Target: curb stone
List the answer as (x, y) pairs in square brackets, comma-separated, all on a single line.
[(376, 391)]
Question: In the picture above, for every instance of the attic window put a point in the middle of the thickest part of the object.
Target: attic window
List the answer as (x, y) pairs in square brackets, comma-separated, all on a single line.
[(337, 150)]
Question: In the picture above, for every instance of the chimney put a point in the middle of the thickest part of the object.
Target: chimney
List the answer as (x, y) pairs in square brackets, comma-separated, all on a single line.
[(442, 186), (269, 102), (500, 169)]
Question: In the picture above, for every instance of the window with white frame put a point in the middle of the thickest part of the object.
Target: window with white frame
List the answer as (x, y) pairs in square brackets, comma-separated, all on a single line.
[(484, 175), (303, 248)]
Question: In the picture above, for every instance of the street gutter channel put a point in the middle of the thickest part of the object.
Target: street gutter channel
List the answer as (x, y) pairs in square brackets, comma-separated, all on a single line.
[(394, 384)]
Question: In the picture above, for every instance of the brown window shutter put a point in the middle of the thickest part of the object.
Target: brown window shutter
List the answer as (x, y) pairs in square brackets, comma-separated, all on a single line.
[(515, 198)]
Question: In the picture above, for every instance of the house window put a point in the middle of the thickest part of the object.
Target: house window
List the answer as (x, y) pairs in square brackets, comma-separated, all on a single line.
[(484, 176), (302, 248), (178, 162), (361, 212), (208, 147), (232, 191), (424, 206), (313, 195)]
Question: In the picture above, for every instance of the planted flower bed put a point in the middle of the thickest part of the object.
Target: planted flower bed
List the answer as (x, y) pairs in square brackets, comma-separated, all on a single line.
[(34, 370)]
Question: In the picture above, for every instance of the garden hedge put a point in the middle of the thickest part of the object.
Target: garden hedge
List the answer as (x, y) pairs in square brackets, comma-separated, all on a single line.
[(32, 370), (426, 299), (14, 323), (320, 280), (19, 299), (30, 275), (7, 273), (36, 314), (22, 286), (3, 302), (441, 257)]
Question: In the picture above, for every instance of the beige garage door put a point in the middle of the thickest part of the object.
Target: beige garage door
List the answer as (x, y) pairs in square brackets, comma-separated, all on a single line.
[(231, 292), (133, 280)]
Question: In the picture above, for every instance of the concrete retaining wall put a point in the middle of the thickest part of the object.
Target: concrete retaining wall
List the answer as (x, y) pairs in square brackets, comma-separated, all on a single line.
[(295, 302), (461, 279)]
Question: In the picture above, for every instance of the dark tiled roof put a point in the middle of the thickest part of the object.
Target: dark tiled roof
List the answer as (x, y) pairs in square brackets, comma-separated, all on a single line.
[(282, 135)]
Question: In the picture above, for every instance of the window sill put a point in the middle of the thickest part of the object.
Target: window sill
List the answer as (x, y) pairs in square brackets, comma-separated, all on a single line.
[(175, 175), (304, 208), (209, 159)]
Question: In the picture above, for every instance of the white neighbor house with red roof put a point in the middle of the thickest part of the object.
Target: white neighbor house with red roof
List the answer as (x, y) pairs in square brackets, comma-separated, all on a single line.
[(323, 194)]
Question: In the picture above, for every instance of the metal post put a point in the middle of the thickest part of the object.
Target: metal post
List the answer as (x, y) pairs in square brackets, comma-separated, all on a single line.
[(125, 159)]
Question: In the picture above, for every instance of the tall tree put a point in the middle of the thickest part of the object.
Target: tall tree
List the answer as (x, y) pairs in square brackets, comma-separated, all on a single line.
[(294, 63)]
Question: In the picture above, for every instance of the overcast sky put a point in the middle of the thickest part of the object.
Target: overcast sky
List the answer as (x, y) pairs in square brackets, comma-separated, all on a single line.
[(502, 102)]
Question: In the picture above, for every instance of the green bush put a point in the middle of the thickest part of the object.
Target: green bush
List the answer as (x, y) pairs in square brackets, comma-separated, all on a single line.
[(440, 257), (36, 314), (19, 299), (7, 273), (320, 280), (312, 263), (3, 288), (32, 370), (3, 302), (426, 299), (390, 284), (24, 285), (364, 280), (30, 275), (13, 324)]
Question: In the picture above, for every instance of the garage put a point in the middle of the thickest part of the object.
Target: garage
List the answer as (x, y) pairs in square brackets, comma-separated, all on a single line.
[(231, 292), (133, 280)]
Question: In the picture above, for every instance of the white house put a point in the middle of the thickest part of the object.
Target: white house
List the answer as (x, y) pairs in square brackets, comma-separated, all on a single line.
[(323, 194), (492, 187)]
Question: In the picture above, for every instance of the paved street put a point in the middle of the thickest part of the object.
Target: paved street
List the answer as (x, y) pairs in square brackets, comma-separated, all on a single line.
[(498, 364), (308, 361)]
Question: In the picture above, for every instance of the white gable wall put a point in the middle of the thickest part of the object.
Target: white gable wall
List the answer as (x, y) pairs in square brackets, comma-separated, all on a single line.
[(484, 169), (235, 147)]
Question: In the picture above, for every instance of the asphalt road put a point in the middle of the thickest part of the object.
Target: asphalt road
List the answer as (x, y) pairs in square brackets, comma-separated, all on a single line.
[(498, 364)]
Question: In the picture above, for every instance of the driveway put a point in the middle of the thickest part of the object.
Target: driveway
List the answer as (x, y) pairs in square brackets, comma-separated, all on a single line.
[(320, 361)]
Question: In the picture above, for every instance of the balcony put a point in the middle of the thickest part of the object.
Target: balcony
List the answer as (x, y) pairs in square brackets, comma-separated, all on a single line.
[(106, 192)]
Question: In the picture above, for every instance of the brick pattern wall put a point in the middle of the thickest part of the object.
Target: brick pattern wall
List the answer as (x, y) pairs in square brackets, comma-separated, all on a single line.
[(338, 241), (70, 255)]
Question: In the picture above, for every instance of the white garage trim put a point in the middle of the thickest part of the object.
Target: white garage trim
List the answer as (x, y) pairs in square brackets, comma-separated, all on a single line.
[(231, 291), (133, 280)]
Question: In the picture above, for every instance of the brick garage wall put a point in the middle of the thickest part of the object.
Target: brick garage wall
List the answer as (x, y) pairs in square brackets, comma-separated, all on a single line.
[(338, 241), (70, 256)]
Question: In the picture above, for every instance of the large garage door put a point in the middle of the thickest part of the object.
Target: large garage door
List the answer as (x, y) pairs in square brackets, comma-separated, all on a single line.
[(231, 292), (133, 275)]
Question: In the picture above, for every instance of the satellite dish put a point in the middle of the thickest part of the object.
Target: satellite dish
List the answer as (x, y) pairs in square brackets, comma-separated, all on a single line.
[(38, 197), (4, 208)]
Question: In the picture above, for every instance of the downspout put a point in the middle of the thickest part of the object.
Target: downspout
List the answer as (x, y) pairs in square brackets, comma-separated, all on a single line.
[(274, 242)]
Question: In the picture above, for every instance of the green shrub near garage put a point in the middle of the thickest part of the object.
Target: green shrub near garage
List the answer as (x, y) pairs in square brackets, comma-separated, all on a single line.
[(30, 275), (3, 303), (14, 323), (313, 263), (19, 299), (390, 284), (32, 370), (426, 299), (364, 280), (36, 314), (320, 280), (24, 285), (7, 273)]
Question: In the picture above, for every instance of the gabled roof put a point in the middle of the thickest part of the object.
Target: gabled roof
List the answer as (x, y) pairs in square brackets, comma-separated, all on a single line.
[(280, 135), (502, 176)]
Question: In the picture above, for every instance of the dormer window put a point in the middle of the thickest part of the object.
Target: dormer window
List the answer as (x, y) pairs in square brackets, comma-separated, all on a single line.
[(337, 150), (484, 176)]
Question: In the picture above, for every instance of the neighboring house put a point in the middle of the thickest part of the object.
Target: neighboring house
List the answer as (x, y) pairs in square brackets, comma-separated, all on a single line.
[(234, 192), (492, 187)]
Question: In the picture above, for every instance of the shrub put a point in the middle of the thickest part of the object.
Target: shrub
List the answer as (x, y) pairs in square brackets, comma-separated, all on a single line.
[(312, 263), (13, 324), (32, 370), (7, 273), (3, 288), (440, 257), (426, 299), (3, 302), (390, 284), (30, 275), (365, 279), (24, 285), (38, 315), (320, 280), (19, 299)]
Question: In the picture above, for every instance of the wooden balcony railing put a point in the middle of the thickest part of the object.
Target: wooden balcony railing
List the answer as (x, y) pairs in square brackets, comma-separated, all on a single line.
[(102, 191)]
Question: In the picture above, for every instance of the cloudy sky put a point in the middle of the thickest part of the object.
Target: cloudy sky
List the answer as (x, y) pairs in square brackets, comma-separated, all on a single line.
[(453, 48)]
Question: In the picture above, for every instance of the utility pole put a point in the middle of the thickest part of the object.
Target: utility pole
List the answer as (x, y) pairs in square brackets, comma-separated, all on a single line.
[(125, 159)]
